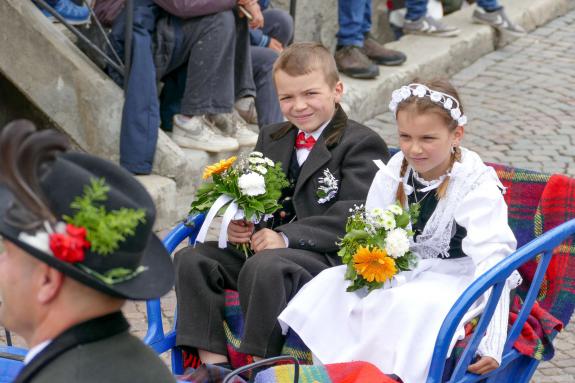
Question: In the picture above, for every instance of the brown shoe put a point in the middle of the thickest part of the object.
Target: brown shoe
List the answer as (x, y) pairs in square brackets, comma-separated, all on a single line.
[(353, 62), (380, 55)]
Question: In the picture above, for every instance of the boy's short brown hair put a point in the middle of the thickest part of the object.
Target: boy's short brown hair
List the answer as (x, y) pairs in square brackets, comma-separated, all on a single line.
[(302, 58)]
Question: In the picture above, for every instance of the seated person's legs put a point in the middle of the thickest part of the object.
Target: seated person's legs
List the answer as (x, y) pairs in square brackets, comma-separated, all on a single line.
[(355, 48), (202, 275), (209, 46), (266, 102), (491, 13), (73, 14), (419, 23), (267, 281), (278, 24), (276, 34)]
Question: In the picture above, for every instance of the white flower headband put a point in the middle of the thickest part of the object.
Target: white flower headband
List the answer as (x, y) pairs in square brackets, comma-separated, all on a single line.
[(448, 102)]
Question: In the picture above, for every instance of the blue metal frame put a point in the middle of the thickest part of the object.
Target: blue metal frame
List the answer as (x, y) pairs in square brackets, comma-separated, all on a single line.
[(515, 367), (156, 337)]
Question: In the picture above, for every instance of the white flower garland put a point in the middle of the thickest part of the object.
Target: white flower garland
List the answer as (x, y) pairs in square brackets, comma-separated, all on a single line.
[(450, 103)]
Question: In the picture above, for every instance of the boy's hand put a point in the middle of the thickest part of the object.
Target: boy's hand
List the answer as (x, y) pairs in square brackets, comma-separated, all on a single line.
[(484, 365), (240, 231), (266, 239)]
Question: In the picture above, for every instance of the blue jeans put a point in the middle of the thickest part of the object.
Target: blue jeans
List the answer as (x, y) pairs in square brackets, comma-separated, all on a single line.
[(279, 25), (354, 21), (140, 115), (416, 9)]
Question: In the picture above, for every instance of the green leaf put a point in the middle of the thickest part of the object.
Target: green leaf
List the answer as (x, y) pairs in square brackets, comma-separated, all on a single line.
[(104, 230), (357, 235)]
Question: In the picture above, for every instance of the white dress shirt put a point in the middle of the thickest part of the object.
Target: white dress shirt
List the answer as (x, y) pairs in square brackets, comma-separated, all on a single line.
[(304, 152), (36, 350), (302, 156)]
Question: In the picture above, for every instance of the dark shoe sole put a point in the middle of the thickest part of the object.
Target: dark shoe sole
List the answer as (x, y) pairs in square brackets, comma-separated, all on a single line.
[(388, 62), (360, 74)]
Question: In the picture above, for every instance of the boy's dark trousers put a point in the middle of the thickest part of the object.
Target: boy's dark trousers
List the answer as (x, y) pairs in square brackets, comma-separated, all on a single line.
[(270, 278)]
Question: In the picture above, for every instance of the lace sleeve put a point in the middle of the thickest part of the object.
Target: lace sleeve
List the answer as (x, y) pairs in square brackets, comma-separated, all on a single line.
[(489, 239)]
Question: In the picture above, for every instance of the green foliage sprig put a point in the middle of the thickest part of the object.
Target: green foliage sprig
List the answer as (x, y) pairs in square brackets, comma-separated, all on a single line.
[(105, 230), (370, 229), (227, 182)]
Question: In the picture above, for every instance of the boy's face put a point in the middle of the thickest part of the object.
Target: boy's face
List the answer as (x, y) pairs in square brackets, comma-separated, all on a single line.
[(307, 101)]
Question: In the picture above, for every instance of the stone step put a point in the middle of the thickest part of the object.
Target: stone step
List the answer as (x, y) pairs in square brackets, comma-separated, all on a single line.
[(431, 57), (163, 191), (70, 92)]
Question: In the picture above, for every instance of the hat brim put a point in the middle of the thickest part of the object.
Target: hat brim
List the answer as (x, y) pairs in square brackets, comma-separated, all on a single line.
[(154, 282)]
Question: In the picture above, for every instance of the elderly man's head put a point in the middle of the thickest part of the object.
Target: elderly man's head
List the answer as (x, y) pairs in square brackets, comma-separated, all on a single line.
[(39, 301), (77, 235)]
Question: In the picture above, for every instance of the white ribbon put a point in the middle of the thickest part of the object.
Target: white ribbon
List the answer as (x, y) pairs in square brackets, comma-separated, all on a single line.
[(229, 214), (232, 212), (220, 202)]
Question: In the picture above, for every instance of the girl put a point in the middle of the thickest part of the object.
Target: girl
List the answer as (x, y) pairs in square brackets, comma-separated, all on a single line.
[(461, 232)]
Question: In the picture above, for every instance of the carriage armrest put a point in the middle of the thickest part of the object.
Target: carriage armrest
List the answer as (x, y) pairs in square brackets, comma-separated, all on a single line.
[(495, 279), (156, 338)]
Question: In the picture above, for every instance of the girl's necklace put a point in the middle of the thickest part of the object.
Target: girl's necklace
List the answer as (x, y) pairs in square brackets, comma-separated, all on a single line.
[(418, 201)]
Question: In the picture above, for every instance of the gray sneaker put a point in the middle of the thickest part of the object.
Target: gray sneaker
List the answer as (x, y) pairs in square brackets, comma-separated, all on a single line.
[(497, 19), (246, 107), (198, 133), (430, 27), (234, 125)]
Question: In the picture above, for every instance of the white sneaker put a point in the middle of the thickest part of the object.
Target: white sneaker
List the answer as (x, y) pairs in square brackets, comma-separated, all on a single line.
[(197, 133), (245, 136), (234, 125)]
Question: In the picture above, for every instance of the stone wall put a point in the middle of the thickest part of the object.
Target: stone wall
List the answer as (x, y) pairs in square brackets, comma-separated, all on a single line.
[(316, 20)]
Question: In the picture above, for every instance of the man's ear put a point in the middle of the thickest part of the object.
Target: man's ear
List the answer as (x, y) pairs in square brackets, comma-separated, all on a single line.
[(49, 283)]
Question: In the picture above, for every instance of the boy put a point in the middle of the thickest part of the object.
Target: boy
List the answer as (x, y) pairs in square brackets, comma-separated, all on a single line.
[(301, 239)]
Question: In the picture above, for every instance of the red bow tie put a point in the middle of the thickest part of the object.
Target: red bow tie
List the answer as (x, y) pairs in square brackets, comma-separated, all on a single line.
[(302, 142)]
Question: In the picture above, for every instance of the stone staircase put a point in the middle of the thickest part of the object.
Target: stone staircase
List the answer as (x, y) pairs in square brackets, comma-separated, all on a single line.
[(45, 77)]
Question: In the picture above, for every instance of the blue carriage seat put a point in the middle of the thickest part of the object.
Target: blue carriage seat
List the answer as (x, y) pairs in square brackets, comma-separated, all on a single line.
[(540, 207)]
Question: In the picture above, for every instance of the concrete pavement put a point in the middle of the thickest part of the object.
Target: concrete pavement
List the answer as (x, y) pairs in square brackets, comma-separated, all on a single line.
[(521, 104), (520, 101)]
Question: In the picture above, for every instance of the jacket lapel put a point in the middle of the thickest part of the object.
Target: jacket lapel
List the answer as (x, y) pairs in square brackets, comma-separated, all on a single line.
[(318, 157), (90, 331), (321, 154), (281, 150)]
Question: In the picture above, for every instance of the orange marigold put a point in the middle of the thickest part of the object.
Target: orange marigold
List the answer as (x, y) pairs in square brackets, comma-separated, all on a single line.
[(219, 167), (374, 264)]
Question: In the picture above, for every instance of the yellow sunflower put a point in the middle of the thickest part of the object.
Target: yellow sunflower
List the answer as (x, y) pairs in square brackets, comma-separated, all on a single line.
[(219, 167), (374, 264)]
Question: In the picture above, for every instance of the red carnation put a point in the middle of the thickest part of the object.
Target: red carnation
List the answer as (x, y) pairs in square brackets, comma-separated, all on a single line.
[(69, 246)]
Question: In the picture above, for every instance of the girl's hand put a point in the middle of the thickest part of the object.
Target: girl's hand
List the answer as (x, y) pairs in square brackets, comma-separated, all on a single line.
[(240, 231), (484, 365), (266, 239)]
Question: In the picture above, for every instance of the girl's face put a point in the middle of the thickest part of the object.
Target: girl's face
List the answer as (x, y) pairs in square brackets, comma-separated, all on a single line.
[(426, 142)]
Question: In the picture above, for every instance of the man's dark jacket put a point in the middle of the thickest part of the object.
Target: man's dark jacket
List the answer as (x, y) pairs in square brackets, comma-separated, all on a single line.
[(96, 351)]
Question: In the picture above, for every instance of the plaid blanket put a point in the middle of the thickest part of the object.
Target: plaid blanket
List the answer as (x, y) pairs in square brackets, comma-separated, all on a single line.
[(351, 372), (556, 300), (537, 202), (234, 326)]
